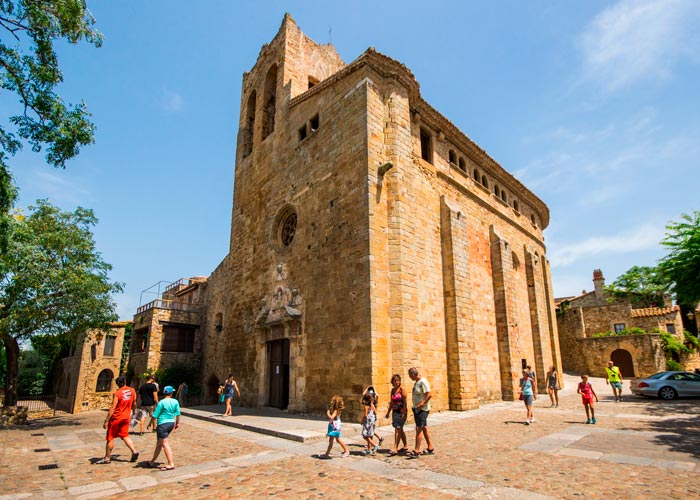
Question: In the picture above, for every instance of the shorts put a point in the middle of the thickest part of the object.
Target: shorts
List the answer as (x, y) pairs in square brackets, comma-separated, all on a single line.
[(117, 429), (164, 430), (616, 385), (528, 399), (147, 411), (397, 420), (421, 417), (587, 401)]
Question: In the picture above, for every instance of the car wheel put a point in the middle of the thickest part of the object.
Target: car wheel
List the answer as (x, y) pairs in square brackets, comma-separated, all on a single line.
[(667, 393)]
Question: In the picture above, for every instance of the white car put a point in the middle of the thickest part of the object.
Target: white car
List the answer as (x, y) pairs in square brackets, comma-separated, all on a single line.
[(668, 385)]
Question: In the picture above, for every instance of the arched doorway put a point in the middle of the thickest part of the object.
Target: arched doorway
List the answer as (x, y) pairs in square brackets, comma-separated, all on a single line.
[(212, 397), (623, 360)]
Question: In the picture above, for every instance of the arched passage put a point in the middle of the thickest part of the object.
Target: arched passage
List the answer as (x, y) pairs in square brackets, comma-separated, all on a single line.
[(623, 360)]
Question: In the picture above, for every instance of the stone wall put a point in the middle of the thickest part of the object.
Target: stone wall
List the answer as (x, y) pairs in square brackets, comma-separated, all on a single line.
[(13, 415), (591, 355), (78, 382)]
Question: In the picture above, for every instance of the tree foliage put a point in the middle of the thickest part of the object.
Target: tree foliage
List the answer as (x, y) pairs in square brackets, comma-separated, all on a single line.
[(681, 267), (643, 285), (52, 280), (29, 69)]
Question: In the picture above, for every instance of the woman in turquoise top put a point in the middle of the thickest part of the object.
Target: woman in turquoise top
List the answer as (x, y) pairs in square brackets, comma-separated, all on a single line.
[(528, 393), (167, 414)]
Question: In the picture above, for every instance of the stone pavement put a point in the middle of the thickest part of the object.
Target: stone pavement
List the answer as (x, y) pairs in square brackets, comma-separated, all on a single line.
[(639, 448)]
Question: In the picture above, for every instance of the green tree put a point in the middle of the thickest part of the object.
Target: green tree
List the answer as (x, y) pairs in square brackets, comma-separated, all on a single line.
[(681, 267), (52, 281), (32, 374), (52, 349), (29, 69), (644, 285)]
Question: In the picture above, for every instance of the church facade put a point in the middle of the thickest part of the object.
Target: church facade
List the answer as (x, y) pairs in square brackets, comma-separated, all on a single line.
[(369, 235)]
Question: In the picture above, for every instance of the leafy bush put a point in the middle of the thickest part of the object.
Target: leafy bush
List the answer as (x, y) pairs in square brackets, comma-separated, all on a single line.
[(671, 345), (176, 374), (673, 366), (691, 341), (626, 331)]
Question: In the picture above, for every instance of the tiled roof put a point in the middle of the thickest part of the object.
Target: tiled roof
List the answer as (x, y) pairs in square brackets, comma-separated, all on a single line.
[(653, 311)]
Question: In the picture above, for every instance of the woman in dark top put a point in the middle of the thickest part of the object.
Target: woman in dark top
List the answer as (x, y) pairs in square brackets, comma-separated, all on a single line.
[(229, 387), (553, 385)]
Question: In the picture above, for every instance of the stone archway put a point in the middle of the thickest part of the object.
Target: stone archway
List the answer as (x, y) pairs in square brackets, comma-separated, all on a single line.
[(623, 360), (211, 396)]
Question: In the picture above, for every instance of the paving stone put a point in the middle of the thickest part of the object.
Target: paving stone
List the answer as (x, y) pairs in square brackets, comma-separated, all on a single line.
[(673, 464), (627, 459), (137, 482), (573, 452), (100, 494), (93, 488)]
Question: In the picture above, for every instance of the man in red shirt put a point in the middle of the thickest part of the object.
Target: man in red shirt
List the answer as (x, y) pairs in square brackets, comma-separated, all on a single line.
[(117, 421)]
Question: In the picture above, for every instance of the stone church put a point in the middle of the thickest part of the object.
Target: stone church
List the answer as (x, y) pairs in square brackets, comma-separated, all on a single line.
[(369, 235)]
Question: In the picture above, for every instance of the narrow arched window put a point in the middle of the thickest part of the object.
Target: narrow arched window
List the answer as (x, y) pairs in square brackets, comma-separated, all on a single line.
[(104, 381), (484, 181), (453, 157), (269, 101), (249, 125), (462, 165)]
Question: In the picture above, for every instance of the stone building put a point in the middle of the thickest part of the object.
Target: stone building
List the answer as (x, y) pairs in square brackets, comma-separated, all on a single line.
[(369, 235), (584, 320), (88, 376), (166, 329)]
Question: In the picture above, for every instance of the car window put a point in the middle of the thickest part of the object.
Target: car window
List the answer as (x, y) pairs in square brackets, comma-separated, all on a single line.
[(676, 376), (689, 376), (658, 375)]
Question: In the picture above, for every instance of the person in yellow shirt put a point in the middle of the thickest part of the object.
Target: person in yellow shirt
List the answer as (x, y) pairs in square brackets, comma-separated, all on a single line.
[(615, 380)]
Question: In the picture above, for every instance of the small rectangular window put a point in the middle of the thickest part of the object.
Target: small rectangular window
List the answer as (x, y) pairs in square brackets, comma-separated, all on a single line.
[(139, 340), (314, 123), (619, 327), (671, 328), (302, 132), (426, 146), (109, 345)]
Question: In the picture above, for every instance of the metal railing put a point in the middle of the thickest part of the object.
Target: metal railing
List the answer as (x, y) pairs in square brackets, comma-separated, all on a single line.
[(182, 282), (171, 305)]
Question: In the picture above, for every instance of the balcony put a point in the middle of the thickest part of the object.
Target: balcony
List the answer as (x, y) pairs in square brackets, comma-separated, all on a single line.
[(171, 305)]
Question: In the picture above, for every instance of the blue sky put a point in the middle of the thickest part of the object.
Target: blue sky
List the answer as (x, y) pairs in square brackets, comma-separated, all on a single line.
[(593, 105)]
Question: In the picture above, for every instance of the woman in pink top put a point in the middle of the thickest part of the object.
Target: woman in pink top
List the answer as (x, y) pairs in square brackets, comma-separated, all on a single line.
[(399, 411)]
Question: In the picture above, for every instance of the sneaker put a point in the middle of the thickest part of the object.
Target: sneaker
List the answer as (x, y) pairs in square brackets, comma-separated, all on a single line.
[(367, 452), (588, 421), (593, 420), (375, 449), (557, 405), (532, 420), (345, 455), (527, 422)]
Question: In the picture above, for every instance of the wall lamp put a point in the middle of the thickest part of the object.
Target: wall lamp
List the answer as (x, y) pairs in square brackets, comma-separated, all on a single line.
[(384, 169)]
